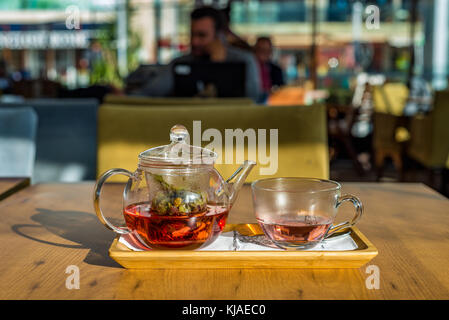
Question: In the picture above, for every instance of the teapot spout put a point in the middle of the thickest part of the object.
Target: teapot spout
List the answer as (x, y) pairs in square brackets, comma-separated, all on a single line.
[(236, 180)]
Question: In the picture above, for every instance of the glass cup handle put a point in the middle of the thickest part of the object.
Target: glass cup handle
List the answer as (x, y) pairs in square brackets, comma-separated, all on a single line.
[(358, 214), (97, 193)]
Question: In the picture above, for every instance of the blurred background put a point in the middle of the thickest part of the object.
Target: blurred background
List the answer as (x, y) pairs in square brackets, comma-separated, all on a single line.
[(36, 43), (380, 68)]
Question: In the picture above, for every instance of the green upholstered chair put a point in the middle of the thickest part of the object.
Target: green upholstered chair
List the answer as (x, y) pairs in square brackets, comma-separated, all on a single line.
[(149, 101), (389, 134), (429, 136), (124, 132)]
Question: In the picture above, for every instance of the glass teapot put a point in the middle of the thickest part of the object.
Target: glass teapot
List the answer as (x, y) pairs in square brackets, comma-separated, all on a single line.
[(175, 199)]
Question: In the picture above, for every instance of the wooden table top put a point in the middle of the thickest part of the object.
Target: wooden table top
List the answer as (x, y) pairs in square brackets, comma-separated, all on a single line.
[(8, 186), (46, 228)]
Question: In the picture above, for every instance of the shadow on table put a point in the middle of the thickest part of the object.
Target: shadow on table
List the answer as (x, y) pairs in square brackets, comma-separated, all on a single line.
[(76, 226)]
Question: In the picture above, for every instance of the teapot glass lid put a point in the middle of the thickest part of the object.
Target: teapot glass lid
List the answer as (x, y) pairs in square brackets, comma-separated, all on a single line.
[(178, 152)]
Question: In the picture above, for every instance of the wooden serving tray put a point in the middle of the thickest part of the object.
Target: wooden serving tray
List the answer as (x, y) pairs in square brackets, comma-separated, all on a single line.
[(191, 259)]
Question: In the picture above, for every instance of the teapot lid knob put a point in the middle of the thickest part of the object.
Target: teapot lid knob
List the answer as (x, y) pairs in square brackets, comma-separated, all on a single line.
[(179, 151), (179, 133)]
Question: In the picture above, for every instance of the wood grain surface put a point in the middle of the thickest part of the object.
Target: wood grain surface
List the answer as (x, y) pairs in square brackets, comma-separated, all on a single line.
[(8, 186), (46, 228)]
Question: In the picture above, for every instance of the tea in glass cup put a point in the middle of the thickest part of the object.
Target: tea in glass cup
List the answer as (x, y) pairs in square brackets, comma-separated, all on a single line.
[(300, 212)]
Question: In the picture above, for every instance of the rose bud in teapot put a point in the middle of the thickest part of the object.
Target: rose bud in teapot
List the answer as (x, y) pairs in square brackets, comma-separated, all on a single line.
[(175, 201)]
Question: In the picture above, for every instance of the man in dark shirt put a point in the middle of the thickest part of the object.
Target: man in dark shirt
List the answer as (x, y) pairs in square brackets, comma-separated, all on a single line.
[(208, 44), (270, 74)]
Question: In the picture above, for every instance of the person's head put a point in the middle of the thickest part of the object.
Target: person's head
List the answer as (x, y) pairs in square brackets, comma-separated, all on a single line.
[(263, 49), (206, 27)]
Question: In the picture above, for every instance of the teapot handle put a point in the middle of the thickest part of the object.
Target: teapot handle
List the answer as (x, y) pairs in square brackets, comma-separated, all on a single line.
[(97, 193)]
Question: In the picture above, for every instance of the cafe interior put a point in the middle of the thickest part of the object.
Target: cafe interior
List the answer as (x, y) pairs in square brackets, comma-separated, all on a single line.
[(279, 104)]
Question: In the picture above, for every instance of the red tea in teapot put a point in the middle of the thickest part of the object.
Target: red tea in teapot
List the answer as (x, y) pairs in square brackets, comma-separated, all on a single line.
[(175, 199), (175, 231)]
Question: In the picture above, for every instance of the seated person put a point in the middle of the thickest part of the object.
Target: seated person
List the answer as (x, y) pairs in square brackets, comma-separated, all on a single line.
[(206, 44), (270, 74)]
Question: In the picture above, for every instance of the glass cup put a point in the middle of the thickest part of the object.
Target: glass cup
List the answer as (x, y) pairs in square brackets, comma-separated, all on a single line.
[(300, 212)]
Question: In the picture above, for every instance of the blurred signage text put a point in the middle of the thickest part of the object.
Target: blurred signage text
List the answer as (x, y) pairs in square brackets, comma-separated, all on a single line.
[(42, 39)]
